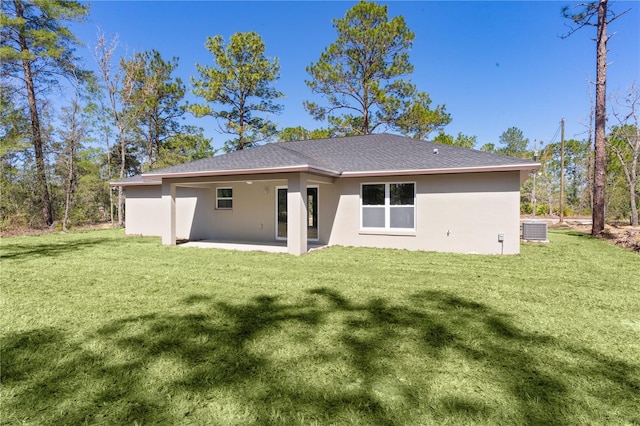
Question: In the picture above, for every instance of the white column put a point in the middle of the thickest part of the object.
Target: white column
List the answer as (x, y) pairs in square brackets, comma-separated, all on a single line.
[(297, 214), (169, 211)]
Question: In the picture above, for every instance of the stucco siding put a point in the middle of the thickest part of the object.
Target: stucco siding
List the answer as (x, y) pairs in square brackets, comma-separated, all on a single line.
[(253, 216), (146, 214), (328, 201), (193, 213), (143, 211), (461, 213)]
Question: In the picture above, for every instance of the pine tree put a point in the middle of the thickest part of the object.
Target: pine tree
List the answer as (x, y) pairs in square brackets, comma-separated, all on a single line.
[(36, 46), (363, 72), (240, 84), (597, 14)]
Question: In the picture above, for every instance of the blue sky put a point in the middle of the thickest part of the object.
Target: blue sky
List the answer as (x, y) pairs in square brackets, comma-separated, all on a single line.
[(493, 64)]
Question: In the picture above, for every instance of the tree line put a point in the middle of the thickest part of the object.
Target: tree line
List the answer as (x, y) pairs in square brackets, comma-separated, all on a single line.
[(128, 116), (540, 195)]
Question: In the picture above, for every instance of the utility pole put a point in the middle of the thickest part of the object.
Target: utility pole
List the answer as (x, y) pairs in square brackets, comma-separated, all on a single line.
[(562, 173), (535, 158)]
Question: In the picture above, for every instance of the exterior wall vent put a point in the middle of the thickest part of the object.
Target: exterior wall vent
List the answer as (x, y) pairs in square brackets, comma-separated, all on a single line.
[(534, 231)]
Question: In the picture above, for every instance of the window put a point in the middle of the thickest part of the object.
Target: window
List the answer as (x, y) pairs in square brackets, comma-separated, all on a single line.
[(402, 208), (373, 206), (224, 198), (388, 206)]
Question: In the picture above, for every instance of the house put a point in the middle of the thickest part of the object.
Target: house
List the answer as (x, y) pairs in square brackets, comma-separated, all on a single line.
[(378, 190)]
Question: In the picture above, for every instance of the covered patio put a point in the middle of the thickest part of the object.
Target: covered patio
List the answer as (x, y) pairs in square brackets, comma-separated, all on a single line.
[(275, 247), (296, 239)]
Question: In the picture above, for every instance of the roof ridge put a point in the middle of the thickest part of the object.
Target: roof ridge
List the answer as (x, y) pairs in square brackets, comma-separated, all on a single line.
[(333, 138), (311, 160)]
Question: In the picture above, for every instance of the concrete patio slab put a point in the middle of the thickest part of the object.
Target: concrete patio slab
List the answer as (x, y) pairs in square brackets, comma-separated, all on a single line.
[(275, 247)]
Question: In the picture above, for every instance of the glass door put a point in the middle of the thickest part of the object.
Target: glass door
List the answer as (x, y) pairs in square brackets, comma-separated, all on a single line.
[(312, 213), (282, 213)]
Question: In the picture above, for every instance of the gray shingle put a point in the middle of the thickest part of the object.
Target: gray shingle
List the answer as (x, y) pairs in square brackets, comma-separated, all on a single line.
[(369, 153), (386, 152)]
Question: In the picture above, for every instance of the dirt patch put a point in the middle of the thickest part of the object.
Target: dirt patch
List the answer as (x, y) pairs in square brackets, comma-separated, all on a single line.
[(627, 237), (624, 236)]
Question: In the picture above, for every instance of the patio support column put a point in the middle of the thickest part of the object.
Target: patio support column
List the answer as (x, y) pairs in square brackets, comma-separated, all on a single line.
[(169, 208), (297, 214)]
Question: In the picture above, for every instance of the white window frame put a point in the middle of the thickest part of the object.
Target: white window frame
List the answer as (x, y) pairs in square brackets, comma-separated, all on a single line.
[(387, 208), (218, 199)]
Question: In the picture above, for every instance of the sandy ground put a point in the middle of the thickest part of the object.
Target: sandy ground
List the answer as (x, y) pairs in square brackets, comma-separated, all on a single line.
[(624, 236)]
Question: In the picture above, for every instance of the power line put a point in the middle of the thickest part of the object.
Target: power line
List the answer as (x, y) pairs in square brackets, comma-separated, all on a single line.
[(553, 139)]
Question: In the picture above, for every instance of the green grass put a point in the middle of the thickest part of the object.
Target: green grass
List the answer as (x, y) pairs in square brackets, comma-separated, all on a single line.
[(99, 328)]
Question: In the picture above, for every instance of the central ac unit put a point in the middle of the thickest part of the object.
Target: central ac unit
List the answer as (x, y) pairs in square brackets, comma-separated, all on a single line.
[(534, 231)]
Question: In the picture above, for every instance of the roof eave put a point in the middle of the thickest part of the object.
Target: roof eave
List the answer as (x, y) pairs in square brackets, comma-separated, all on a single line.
[(152, 179), (234, 172), (447, 170), (149, 182)]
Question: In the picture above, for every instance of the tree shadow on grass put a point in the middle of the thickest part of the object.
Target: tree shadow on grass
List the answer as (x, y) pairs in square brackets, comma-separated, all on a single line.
[(322, 358), (577, 234), (28, 251)]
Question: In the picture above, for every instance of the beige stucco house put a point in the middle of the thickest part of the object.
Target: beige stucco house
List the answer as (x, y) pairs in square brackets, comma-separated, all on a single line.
[(377, 190)]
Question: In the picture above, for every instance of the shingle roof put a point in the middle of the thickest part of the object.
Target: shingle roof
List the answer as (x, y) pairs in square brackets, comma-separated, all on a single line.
[(139, 180), (370, 154)]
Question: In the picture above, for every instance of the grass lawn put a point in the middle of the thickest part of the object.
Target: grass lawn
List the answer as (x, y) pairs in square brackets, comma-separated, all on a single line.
[(99, 328)]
